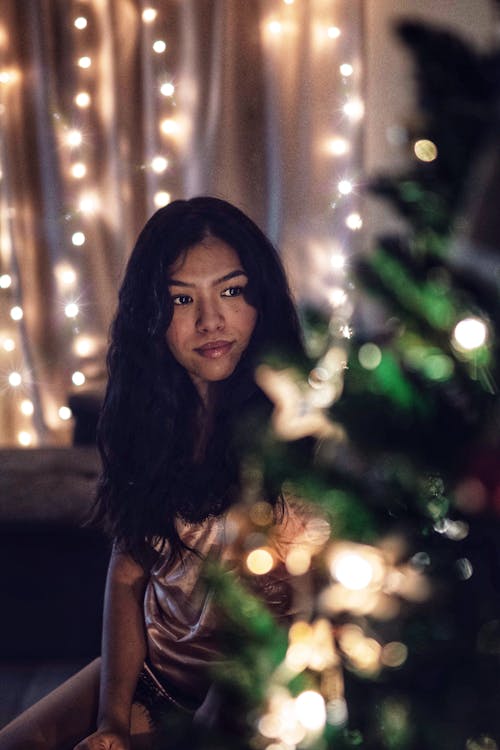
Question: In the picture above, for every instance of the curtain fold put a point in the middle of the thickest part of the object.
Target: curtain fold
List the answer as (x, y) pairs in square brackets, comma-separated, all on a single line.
[(97, 129)]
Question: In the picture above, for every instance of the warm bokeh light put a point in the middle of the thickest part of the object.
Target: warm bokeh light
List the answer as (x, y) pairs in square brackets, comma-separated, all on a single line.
[(469, 334), (85, 346), (84, 62), (260, 561), (352, 570), (354, 221), (78, 170), (354, 109), (5, 281), (167, 89), (338, 146), (65, 413), (24, 438), (78, 378), (162, 198), (169, 126), (80, 23), (298, 561), (370, 356), (345, 187), (15, 379), (425, 150), (65, 274), (26, 407), (16, 312), (149, 15), (311, 711), (159, 46), (333, 32), (88, 203), (78, 239), (275, 27), (159, 164), (71, 310), (346, 70), (82, 100), (74, 138), (8, 345)]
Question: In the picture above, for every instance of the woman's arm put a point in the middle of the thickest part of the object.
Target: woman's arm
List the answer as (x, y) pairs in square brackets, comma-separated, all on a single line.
[(123, 652)]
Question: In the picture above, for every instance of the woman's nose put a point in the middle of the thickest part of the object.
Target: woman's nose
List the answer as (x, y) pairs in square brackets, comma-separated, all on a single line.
[(210, 317)]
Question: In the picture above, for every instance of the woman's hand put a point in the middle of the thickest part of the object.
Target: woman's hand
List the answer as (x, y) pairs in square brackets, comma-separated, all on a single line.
[(105, 740)]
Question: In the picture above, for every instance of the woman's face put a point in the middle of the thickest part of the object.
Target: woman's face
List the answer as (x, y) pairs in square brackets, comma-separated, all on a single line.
[(212, 324)]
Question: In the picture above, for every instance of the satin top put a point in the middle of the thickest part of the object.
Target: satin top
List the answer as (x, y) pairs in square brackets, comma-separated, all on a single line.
[(179, 611)]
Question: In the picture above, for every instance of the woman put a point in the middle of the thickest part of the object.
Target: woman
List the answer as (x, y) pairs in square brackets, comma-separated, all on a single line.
[(204, 297)]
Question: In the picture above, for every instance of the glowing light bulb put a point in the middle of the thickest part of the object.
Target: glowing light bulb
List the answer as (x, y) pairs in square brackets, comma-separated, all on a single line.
[(26, 407), (470, 334), (337, 296), (8, 345), (352, 570), (78, 239), (74, 138), (346, 70), (84, 62), (6, 77), (82, 100), (354, 109), (5, 281), (333, 32), (84, 346), (71, 310), (159, 46), (65, 413), (289, 2), (298, 561), (337, 261), (161, 198), (24, 438), (88, 203), (338, 146), (159, 164), (310, 709), (167, 89), (354, 221), (65, 274), (169, 126), (259, 561), (275, 27), (15, 379), (78, 170), (149, 15), (78, 378), (16, 312), (80, 23), (345, 187), (425, 150)]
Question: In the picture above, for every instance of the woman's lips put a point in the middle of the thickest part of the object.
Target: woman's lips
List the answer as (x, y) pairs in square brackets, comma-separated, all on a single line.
[(215, 349)]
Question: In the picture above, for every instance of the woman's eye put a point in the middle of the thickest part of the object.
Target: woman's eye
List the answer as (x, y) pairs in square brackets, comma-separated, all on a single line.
[(233, 291), (181, 299)]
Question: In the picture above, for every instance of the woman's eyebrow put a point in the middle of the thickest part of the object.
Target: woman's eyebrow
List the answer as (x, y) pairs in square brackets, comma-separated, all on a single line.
[(226, 277)]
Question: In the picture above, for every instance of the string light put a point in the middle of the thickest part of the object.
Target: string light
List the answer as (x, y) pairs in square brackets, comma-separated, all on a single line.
[(354, 109), (311, 711), (88, 203), (159, 164), (161, 198), (275, 27), (337, 261), (354, 221), (65, 274), (74, 138), (84, 346), (65, 413), (338, 146), (425, 150), (167, 89), (78, 239), (370, 356), (159, 46), (333, 32), (259, 561), (26, 407), (5, 281), (8, 345), (80, 23), (15, 379), (71, 310), (78, 170), (345, 187), (78, 378), (346, 70), (169, 126), (84, 62), (24, 438), (149, 15), (82, 100), (16, 312)]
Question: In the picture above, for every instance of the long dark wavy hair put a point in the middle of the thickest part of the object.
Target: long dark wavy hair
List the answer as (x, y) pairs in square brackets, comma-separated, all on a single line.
[(147, 427)]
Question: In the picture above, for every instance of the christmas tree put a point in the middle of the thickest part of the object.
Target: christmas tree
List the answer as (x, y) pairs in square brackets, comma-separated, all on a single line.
[(402, 646)]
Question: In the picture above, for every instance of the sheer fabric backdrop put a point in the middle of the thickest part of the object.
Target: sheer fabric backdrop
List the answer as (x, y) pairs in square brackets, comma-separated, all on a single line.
[(246, 102)]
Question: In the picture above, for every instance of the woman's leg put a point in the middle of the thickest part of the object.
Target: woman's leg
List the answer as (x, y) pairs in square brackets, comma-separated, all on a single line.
[(67, 715)]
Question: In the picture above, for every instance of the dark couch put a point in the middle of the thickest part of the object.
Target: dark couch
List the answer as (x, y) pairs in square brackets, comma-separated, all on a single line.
[(52, 571)]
